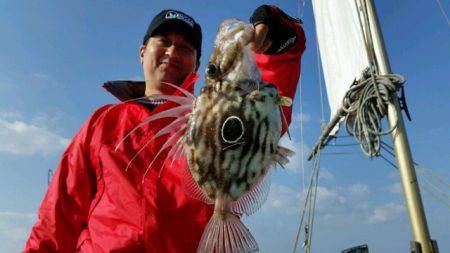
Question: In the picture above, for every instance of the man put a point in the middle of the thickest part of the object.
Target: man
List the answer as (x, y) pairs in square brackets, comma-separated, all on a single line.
[(93, 204)]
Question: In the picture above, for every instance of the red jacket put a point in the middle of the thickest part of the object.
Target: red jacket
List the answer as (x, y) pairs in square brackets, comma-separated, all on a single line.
[(94, 205)]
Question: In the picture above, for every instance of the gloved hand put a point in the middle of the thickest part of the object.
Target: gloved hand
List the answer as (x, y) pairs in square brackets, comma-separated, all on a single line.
[(274, 30)]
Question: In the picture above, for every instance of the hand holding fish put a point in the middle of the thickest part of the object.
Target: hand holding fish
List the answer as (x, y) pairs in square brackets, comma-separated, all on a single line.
[(260, 42)]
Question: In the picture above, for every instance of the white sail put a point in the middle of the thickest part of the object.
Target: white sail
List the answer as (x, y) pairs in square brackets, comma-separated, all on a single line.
[(341, 47)]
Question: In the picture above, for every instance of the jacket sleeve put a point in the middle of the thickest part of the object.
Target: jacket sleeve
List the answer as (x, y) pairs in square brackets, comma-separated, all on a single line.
[(63, 212), (283, 69)]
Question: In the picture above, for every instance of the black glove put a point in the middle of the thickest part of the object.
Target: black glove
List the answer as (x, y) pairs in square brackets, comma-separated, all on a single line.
[(281, 26)]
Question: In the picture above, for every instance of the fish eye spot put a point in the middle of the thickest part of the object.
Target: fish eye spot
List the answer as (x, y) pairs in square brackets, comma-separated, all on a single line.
[(232, 129), (212, 70)]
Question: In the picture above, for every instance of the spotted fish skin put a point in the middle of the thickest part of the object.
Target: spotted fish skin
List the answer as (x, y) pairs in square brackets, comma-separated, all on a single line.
[(232, 168), (232, 138), (235, 124)]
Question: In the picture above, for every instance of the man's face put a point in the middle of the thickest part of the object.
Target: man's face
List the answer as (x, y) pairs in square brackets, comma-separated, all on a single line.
[(168, 57)]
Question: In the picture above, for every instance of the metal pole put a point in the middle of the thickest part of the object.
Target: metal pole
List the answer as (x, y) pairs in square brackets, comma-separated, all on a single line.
[(401, 145)]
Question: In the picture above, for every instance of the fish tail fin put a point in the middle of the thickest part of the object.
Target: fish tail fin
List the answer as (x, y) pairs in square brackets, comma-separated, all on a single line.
[(227, 235)]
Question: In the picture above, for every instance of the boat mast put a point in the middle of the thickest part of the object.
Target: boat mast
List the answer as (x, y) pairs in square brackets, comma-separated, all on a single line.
[(401, 146)]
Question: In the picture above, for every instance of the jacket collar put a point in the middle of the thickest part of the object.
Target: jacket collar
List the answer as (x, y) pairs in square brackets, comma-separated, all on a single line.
[(127, 90)]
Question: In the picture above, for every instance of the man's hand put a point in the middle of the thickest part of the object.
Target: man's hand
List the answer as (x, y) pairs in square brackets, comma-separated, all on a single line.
[(275, 31), (260, 42)]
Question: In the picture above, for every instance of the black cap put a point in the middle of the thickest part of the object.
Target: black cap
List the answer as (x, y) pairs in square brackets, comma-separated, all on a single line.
[(179, 21)]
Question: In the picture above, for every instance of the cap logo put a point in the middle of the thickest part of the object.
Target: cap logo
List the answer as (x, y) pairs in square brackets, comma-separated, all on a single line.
[(180, 16)]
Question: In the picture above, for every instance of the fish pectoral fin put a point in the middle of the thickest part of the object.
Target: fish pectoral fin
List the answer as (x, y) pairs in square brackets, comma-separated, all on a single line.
[(228, 235), (281, 156)]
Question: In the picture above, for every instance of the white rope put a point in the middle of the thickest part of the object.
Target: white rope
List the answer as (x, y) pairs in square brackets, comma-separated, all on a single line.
[(319, 73), (302, 151), (443, 12), (313, 209), (436, 197), (436, 188), (311, 196), (319, 77), (431, 173), (366, 104), (300, 12), (425, 179), (309, 206)]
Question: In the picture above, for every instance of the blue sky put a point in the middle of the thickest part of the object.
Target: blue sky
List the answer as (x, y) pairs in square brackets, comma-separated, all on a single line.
[(55, 55)]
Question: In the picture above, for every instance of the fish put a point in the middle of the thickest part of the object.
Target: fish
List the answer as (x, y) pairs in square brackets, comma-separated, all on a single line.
[(232, 139), (229, 136)]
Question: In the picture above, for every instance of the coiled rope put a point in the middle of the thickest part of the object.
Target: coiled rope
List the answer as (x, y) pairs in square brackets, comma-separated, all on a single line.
[(366, 103)]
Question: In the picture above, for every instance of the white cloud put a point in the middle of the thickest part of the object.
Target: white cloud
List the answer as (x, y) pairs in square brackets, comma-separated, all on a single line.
[(329, 200), (393, 174), (282, 200), (325, 174), (285, 200), (136, 78), (345, 207), (9, 115), (295, 161), (48, 120), (385, 212), (43, 79), (20, 138), (14, 230), (41, 75), (297, 117), (298, 120), (358, 190), (395, 188), (333, 204)]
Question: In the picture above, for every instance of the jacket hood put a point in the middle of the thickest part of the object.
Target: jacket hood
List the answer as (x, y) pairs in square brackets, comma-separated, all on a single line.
[(126, 90)]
